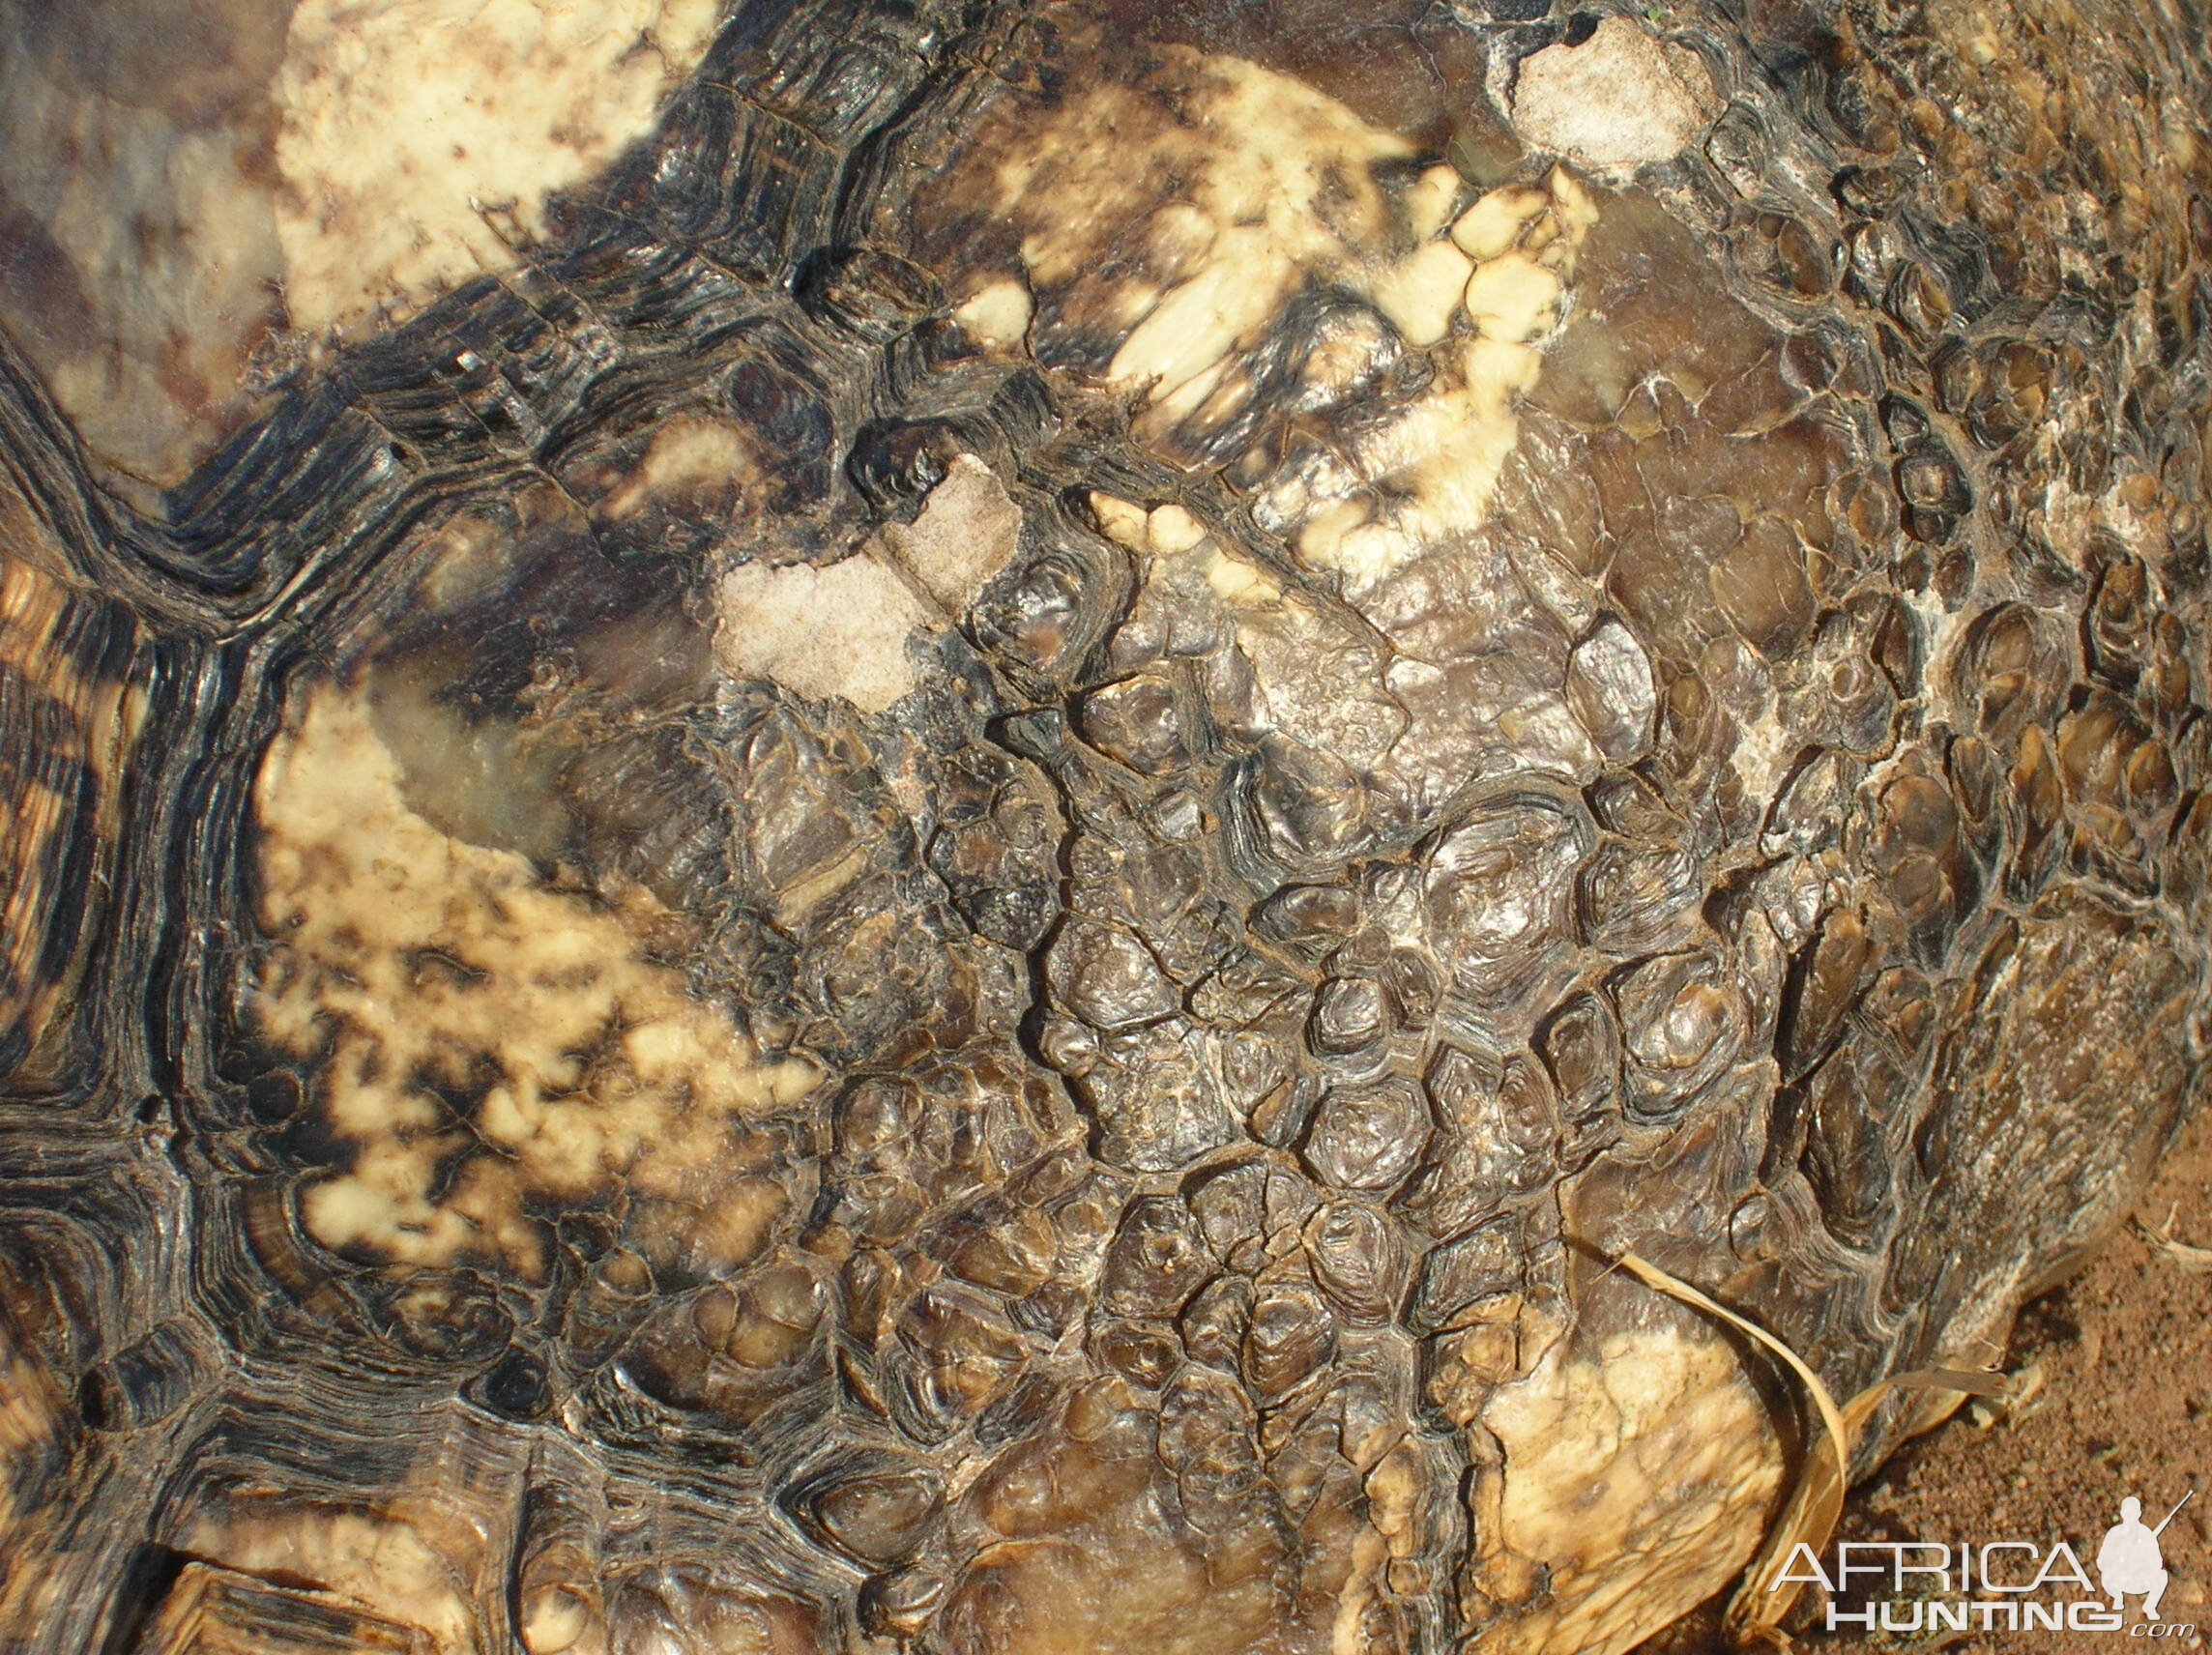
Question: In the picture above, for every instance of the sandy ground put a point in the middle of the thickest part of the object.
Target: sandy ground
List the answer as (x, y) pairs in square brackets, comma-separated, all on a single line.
[(2124, 1356)]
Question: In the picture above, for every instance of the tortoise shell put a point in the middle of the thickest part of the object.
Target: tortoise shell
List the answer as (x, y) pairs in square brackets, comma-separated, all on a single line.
[(918, 825)]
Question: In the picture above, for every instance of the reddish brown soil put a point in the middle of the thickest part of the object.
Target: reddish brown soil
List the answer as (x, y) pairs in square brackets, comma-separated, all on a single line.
[(2125, 1351)]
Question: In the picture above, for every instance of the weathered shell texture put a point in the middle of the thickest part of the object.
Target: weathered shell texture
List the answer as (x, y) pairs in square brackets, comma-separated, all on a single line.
[(944, 881)]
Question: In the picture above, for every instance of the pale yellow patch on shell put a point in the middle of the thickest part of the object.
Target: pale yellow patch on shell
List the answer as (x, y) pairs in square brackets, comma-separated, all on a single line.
[(1429, 202), (830, 633), (1190, 234), (685, 453), (554, 1619), (841, 632), (380, 1564), (1493, 224), (1513, 298), (1171, 530), (157, 212), (997, 317), (1576, 212), (1640, 1474), (415, 954), (310, 165), (1418, 293), (420, 138), (1122, 521), (1235, 581), (1348, 1631), (209, 1608), (1622, 99), (966, 533), (1443, 455), (1278, 187)]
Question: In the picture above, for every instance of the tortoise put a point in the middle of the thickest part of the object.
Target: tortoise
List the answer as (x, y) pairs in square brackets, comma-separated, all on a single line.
[(917, 823)]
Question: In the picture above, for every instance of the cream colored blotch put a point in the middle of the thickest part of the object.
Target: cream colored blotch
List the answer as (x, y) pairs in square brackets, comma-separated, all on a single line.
[(998, 316), (556, 1619), (1122, 521), (1496, 222), (1429, 202), (373, 1560), (1640, 1474), (966, 533), (1278, 185), (420, 137), (839, 631), (1172, 530), (1418, 293), (1443, 455), (1513, 298), (1235, 581), (605, 1066), (1620, 99)]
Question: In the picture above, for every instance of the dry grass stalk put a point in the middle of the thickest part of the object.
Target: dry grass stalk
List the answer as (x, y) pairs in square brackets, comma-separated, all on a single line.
[(2196, 1261)]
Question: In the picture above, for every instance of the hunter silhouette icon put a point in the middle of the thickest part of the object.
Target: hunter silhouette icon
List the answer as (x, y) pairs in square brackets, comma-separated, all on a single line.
[(2130, 1562)]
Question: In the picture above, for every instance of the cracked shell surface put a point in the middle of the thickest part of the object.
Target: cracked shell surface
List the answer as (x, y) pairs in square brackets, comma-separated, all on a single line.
[(908, 826)]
